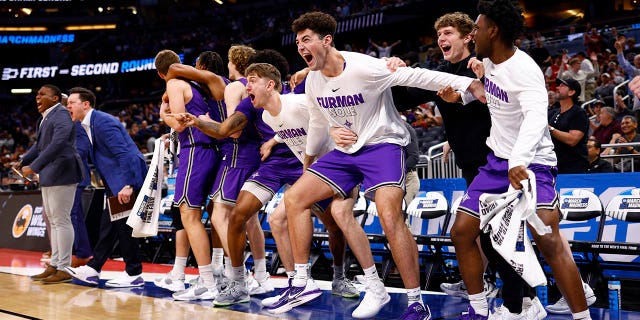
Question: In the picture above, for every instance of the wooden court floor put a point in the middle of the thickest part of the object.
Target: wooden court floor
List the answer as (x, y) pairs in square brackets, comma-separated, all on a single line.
[(21, 298)]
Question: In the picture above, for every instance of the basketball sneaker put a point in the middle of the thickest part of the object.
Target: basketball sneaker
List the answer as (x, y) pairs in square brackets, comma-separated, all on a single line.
[(169, 282), (282, 292), (472, 315), (296, 296), (84, 274), (258, 286), (534, 310), (562, 307), (502, 313), (236, 292), (125, 281), (196, 292), (344, 288), (417, 311), (375, 298), (458, 289)]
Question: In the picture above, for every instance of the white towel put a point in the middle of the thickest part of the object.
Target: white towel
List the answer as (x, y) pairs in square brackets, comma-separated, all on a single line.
[(146, 210), (504, 216)]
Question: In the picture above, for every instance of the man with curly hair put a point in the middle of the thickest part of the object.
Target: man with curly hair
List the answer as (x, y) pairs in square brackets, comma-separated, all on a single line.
[(519, 140)]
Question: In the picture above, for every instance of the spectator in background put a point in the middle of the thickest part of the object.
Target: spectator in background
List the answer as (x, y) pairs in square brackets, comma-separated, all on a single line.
[(553, 99), (384, 50), (629, 127), (609, 38), (605, 90), (591, 67), (577, 74), (594, 115), (593, 41), (551, 73), (630, 70), (540, 54), (608, 127), (597, 164), (621, 108), (569, 126)]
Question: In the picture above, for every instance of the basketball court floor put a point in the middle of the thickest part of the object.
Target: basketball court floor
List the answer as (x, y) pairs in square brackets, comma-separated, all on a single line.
[(21, 298)]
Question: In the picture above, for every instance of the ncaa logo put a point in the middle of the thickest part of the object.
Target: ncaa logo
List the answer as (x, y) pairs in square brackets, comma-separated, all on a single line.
[(22, 220)]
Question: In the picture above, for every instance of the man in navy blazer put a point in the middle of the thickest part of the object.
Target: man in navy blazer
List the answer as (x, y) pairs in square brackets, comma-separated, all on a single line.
[(55, 159), (122, 168)]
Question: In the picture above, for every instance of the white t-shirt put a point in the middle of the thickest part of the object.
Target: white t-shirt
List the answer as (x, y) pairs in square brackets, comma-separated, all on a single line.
[(517, 100), (360, 99), (291, 125)]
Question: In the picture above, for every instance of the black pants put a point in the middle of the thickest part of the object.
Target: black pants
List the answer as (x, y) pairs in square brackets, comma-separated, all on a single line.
[(109, 233)]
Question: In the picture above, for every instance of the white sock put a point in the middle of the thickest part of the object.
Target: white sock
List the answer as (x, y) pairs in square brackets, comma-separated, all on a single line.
[(260, 269), (584, 315), (371, 273), (414, 295), (228, 269), (290, 275), (238, 274), (217, 257), (178, 268), (479, 303), (338, 272), (206, 274), (301, 277)]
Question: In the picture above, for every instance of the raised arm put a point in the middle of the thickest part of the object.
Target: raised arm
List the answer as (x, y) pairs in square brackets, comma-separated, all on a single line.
[(214, 83)]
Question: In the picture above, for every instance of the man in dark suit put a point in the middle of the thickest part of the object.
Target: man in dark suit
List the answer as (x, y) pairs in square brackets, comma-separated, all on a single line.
[(123, 169), (55, 159)]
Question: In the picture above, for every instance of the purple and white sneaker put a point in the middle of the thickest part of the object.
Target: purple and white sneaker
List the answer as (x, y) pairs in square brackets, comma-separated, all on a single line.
[(472, 315), (295, 297), (417, 311), (84, 274)]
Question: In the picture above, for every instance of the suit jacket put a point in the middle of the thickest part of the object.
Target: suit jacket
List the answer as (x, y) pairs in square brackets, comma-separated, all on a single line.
[(83, 147), (114, 154), (54, 156)]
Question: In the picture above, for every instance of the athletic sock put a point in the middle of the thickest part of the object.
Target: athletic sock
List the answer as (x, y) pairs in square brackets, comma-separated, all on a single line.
[(414, 295), (301, 277), (479, 303)]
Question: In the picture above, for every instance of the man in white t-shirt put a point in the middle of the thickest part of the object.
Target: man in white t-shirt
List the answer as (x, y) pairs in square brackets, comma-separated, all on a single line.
[(288, 116), (519, 140), (351, 91)]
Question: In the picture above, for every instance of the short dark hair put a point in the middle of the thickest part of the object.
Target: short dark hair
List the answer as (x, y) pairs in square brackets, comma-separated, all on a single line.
[(84, 94), (211, 61), (596, 143), (273, 58), (318, 22), (505, 14), (56, 91)]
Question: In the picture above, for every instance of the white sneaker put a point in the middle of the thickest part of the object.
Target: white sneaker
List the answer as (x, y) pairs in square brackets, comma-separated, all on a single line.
[(562, 307), (170, 283), (125, 281), (375, 298), (196, 292), (258, 286), (84, 274), (534, 310), (458, 289), (502, 313)]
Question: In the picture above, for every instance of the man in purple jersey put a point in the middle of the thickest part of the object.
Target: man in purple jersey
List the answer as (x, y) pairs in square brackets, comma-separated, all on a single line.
[(197, 163), (211, 91)]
